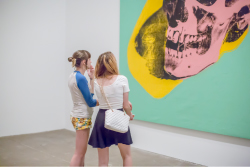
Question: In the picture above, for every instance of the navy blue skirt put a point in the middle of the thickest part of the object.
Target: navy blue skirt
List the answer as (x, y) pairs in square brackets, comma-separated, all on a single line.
[(102, 137)]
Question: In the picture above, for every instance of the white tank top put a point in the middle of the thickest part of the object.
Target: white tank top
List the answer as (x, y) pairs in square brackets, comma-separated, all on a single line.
[(113, 92)]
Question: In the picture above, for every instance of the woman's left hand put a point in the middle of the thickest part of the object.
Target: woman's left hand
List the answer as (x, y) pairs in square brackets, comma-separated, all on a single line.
[(91, 72)]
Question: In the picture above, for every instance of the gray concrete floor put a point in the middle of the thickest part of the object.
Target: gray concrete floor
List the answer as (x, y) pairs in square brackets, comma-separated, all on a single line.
[(55, 148)]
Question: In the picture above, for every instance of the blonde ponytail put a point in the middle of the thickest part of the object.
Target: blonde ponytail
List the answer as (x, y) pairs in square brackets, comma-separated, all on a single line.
[(73, 62)]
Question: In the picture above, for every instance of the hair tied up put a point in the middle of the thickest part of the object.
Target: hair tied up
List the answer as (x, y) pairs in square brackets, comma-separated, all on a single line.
[(70, 59), (73, 60)]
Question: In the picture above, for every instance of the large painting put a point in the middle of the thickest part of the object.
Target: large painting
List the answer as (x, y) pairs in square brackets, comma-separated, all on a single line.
[(187, 62)]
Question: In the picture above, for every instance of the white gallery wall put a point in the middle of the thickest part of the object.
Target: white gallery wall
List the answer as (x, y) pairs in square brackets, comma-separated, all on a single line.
[(32, 63), (38, 36)]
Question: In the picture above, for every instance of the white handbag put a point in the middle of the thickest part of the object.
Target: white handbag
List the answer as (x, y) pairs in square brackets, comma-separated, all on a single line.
[(115, 120)]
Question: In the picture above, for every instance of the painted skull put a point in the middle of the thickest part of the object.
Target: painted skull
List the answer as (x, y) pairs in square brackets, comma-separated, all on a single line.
[(196, 31)]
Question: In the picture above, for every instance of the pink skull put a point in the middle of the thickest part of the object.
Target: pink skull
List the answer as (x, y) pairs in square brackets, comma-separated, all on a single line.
[(196, 31)]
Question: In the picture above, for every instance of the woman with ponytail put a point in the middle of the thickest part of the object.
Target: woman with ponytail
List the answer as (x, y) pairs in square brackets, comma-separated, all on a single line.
[(116, 89), (82, 97)]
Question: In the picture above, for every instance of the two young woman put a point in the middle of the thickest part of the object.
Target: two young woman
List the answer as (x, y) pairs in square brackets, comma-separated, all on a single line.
[(116, 89)]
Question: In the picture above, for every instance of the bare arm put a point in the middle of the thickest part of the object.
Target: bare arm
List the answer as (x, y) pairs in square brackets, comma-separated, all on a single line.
[(92, 89), (91, 82), (126, 105), (91, 78), (91, 85)]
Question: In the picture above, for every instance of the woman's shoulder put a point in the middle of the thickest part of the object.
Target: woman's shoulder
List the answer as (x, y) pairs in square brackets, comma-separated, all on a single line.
[(80, 77), (121, 78)]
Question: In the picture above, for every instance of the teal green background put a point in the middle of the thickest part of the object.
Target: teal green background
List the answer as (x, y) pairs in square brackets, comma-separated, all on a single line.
[(217, 100)]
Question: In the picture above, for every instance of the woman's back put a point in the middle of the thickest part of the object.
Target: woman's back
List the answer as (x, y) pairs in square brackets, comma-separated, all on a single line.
[(113, 92), (78, 84), (116, 90)]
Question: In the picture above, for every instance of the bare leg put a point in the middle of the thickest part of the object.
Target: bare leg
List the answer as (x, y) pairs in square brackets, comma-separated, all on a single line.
[(126, 154), (103, 156), (81, 147)]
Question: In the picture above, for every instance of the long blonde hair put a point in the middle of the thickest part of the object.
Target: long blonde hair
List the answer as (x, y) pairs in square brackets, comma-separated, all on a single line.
[(106, 66), (78, 57)]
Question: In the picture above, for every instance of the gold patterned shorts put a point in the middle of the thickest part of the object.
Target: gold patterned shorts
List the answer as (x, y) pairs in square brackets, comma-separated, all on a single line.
[(81, 123)]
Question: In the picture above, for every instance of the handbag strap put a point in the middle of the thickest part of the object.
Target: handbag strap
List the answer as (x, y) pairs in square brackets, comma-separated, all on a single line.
[(102, 90)]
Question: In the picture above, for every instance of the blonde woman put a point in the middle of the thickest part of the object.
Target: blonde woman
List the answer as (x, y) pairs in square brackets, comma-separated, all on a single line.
[(116, 89), (83, 100)]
